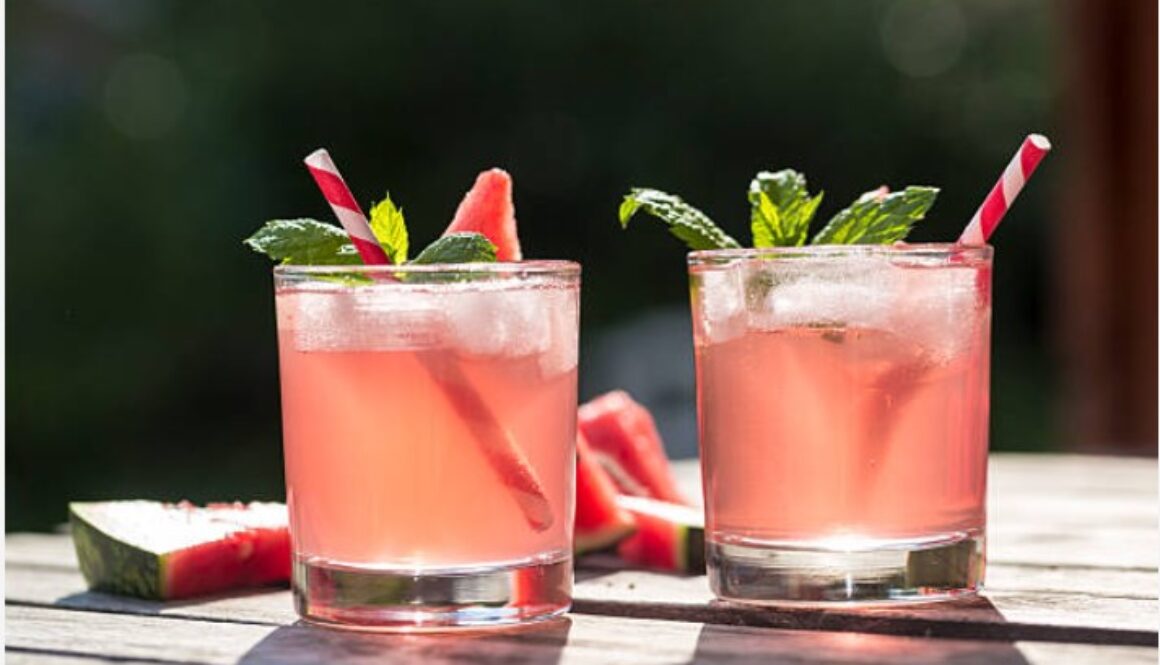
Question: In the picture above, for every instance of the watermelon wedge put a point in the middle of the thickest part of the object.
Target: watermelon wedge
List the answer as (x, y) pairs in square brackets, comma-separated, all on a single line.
[(164, 551), (668, 537), (600, 522), (626, 441), (488, 209)]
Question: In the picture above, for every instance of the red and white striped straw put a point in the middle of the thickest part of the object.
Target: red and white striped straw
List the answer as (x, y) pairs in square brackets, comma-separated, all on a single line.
[(345, 207), (1003, 194)]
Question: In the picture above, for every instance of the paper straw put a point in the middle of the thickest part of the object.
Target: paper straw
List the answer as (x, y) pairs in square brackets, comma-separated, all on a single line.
[(345, 207), (1003, 194)]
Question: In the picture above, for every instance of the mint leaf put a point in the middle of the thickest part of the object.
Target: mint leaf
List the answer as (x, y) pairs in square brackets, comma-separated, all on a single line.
[(685, 222), (390, 229), (458, 248), (878, 218), (303, 242), (781, 209)]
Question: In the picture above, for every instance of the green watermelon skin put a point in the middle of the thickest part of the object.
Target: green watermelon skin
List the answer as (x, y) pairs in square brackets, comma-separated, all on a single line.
[(669, 537), (109, 565), (217, 548)]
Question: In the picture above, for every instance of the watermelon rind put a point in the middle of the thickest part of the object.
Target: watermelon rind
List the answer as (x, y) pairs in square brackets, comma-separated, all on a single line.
[(112, 565), (669, 536), (599, 522), (162, 551), (603, 539)]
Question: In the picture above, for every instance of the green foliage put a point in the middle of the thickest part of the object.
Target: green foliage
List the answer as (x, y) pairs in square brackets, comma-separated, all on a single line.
[(303, 242), (458, 248), (684, 221), (781, 209), (878, 218), (390, 229)]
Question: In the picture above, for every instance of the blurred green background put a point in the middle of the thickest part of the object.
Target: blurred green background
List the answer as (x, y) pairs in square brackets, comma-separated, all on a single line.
[(146, 138)]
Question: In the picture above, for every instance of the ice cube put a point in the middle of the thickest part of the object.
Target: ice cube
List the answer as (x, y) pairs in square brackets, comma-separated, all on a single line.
[(719, 308), (937, 308), (847, 291), (560, 307), (361, 318), (497, 319)]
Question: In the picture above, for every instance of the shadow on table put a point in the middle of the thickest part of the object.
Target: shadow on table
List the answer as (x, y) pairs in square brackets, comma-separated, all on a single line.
[(109, 602), (969, 630), (718, 644), (304, 643)]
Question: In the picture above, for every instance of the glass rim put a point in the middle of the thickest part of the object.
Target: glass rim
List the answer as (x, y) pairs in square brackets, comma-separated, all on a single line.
[(542, 267), (944, 250)]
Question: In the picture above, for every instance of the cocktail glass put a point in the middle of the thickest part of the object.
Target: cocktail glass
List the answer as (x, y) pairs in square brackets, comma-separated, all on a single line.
[(842, 396), (429, 417)]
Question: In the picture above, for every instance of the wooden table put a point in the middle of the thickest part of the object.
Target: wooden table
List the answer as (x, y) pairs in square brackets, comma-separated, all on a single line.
[(1072, 579)]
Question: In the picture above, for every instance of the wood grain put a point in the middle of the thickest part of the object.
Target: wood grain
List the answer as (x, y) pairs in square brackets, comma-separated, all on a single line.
[(1095, 615), (45, 635)]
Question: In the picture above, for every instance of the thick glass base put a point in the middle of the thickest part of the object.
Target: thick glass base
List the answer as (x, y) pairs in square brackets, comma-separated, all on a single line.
[(847, 570), (431, 599)]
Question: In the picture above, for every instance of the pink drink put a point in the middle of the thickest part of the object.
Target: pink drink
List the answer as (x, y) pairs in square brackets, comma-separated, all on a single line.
[(395, 397), (843, 398)]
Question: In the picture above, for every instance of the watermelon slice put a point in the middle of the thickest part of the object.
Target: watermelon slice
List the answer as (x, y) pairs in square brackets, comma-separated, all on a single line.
[(626, 441), (669, 536), (487, 208), (163, 551), (600, 522)]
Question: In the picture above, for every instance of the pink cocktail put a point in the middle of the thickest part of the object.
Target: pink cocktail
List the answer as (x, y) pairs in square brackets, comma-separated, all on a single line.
[(843, 405), (429, 428)]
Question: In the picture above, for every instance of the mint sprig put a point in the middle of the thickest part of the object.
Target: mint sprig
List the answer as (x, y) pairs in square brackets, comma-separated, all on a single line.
[(878, 218), (306, 242), (390, 229), (781, 211), (458, 248), (685, 222), (314, 243)]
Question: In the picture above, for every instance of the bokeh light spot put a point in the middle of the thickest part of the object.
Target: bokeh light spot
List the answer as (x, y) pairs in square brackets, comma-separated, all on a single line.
[(145, 96), (923, 37)]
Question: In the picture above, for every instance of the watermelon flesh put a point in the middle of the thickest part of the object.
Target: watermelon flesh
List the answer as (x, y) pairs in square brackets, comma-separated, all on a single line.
[(668, 536), (164, 551), (600, 522), (488, 209), (625, 438)]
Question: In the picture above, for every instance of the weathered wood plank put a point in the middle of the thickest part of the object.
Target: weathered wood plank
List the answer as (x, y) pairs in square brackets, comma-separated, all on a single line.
[(1003, 615), (997, 615), (42, 635)]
